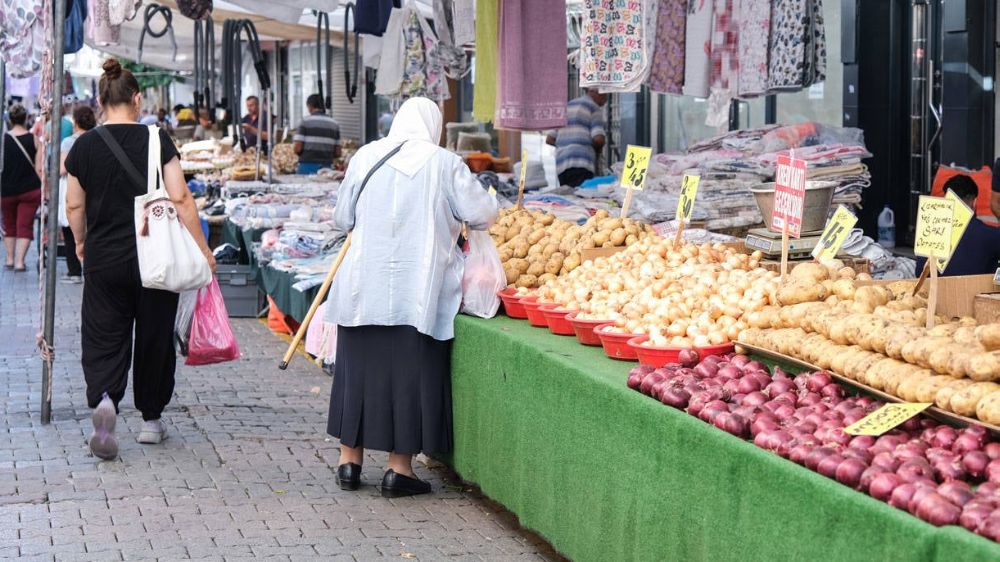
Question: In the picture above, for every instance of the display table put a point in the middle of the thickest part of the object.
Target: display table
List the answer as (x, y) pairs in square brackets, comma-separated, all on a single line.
[(243, 239), (548, 428), (278, 285)]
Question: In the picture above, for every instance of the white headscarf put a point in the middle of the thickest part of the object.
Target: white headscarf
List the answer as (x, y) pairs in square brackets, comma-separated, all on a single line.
[(418, 122)]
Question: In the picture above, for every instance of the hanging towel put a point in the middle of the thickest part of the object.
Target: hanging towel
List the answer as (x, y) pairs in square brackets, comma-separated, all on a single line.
[(390, 69), (532, 49), (789, 35), (666, 74), (755, 32), (464, 20), (485, 88), (697, 47), (616, 47), (725, 62), (73, 27), (818, 36), (372, 16)]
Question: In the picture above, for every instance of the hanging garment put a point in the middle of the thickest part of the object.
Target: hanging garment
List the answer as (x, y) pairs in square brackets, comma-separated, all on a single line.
[(195, 9), (371, 17), (452, 57), (121, 11), (484, 96), (789, 34), (666, 75), (73, 35), (725, 62), (464, 21), (101, 30), (532, 43), (390, 69), (755, 32), (697, 46), (22, 36), (616, 47), (818, 36)]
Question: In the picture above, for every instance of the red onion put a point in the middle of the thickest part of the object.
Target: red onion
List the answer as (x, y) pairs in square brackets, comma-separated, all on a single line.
[(649, 381), (918, 496), (755, 399), (860, 454), (739, 360), (966, 442), (728, 372), (908, 451), (978, 431), (992, 450), (988, 489), (937, 510), (747, 412), (928, 434), (944, 437), (730, 388), (634, 380), (762, 377), (779, 386), (676, 398), (818, 380), (761, 424), (737, 425), (809, 399), (883, 485), (788, 397), (658, 389), (708, 414), (956, 491), (991, 527), (754, 366), (813, 459), (886, 461), (887, 442), (815, 419), (779, 373), (912, 424), (973, 518), (993, 471), (946, 470), (901, 495), (975, 463), (805, 426), (705, 370), (849, 472), (783, 411), (832, 390), (915, 468), (688, 357), (799, 452), (937, 453), (828, 465), (862, 442)]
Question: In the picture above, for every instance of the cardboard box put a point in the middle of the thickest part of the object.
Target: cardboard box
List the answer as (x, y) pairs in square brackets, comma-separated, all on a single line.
[(987, 308), (956, 294)]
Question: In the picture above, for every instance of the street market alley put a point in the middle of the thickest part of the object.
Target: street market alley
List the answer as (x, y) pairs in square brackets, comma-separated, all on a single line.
[(246, 473)]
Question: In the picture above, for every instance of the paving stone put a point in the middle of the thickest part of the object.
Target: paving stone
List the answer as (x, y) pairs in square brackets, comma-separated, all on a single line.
[(246, 473)]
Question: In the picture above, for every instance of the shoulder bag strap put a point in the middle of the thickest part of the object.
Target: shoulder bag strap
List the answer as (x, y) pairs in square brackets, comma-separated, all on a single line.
[(24, 151), (127, 164), (374, 168)]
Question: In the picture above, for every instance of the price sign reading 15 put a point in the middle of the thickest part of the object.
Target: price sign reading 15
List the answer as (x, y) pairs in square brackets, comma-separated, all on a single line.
[(689, 190), (838, 228), (636, 164)]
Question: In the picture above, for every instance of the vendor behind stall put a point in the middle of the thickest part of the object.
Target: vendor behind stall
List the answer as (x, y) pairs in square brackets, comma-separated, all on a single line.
[(317, 140), (254, 125), (978, 252), (580, 141)]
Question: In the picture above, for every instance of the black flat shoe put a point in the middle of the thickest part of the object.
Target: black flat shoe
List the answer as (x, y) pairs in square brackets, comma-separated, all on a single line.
[(396, 485), (349, 476)]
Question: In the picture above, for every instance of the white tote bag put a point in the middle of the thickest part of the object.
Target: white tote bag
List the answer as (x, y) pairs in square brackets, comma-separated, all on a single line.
[(169, 258)]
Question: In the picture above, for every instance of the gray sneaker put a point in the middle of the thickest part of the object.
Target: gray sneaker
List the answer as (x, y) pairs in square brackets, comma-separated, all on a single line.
[(102, 441), (153, 432), (72, 279)]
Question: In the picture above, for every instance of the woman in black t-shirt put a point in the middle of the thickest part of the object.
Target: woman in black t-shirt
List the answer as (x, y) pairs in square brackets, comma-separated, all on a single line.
[(20, 188), (99, 204)]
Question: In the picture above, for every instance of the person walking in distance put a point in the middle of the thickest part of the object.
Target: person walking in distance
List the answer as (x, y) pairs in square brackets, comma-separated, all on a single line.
[(99, 199), (83, 121), (20, 187)]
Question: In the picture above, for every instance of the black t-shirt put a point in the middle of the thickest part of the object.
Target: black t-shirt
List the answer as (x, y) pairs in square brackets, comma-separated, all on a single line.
[(18, 173), (110, 204)]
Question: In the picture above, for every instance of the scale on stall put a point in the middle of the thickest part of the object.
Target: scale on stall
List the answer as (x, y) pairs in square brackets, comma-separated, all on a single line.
[(769, 242)]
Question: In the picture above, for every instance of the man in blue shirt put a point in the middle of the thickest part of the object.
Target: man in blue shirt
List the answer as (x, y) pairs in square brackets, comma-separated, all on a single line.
[(580, 141), (978, 252)]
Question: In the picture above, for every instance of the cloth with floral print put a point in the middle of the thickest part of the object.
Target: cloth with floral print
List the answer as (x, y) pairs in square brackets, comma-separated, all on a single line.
[(755, 31), (697, 46), (615, 50), (666, 74), (22, 36)]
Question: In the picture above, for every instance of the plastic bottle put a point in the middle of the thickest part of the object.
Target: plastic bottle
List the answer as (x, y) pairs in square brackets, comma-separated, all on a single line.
[(887, 228)]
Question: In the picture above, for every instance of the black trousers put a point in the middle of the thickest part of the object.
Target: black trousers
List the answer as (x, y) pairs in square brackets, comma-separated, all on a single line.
[(573, 177), (114, 301), (72, 262)]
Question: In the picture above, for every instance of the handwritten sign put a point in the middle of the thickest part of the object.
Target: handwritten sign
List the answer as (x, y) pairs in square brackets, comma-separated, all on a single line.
[(963, 215), (885, 418), (837, 230), (935, 216), (789, 195), (689, 190), (636, 164), (524, 167)]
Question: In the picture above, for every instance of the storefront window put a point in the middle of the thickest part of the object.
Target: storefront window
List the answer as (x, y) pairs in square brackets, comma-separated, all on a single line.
[(823, 102)]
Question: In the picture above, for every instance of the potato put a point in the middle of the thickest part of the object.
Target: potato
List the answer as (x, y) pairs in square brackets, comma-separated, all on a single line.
[(988, 408), (846, 273), (545, 278), (871, 295), (928, 389), (511, 272), (844, 289), (526, 281), (810, 272), (944, 330), (907, 389), (942, 359), (964, 401), (799, 291), (601, 237), (989, 336), (965, 335), (536, 269), (618, 236), (984, 366), (943, 397)]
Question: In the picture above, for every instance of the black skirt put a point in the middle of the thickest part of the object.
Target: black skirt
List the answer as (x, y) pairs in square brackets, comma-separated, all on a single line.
[(391, 390)]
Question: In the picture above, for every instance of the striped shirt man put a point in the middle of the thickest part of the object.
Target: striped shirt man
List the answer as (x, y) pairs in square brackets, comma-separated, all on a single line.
[(317, 139), (578, 142)]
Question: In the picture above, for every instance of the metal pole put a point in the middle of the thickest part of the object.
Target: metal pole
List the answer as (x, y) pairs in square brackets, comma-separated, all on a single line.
[(55, 128), (3, 110)]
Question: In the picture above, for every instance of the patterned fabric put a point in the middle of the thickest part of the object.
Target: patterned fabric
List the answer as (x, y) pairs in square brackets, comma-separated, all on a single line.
[(22, 36), (697, 46), (667, 72), (755, 32), (99, 24), (789, 22), (423, 73), (725, 46), (121, 11), (818, 34), (613, 52)]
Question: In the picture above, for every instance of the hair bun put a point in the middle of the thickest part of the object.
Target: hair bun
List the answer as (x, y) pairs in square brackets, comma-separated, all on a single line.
[(112, 68)]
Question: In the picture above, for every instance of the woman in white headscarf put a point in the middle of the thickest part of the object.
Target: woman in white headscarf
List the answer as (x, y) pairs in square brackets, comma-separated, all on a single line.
[(396, 295)]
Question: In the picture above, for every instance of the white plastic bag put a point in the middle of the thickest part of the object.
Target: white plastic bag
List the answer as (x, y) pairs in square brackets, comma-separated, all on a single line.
[(483, 278), (182, 323)]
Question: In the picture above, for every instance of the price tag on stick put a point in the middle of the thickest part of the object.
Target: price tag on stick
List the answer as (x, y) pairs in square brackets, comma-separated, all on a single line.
[(685, 204), (885, 419), (789, 195), (524, 174), (838, 228), (634, 173), (935, 217), (963, 215)]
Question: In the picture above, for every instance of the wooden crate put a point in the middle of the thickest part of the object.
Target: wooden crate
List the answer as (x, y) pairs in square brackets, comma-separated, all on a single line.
[(987, 308)]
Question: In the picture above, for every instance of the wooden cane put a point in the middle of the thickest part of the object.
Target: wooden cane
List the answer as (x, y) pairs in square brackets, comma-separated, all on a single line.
[(323, 289)]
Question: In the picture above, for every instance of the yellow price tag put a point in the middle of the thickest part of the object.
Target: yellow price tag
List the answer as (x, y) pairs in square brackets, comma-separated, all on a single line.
[(963, 215), (885, 418), (838, 228), (935, 216), (636, 164), (689, 190), (524, 167), (492, 191)]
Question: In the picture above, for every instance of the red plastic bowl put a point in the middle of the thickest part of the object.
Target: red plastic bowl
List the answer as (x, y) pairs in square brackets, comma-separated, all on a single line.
[(584, 329), (720, 349), (657, 356), (531, 310), (556, 318), (512, 303), (615, 344)]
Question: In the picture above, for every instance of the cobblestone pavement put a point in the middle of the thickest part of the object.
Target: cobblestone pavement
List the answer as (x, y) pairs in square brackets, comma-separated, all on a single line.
[(246, 473)]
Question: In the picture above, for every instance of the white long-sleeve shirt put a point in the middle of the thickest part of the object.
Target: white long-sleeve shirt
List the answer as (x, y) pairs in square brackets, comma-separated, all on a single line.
[(403, 266)]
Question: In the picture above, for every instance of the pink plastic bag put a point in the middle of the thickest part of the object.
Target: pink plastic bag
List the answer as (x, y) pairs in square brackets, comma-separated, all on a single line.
[(212, 339)]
